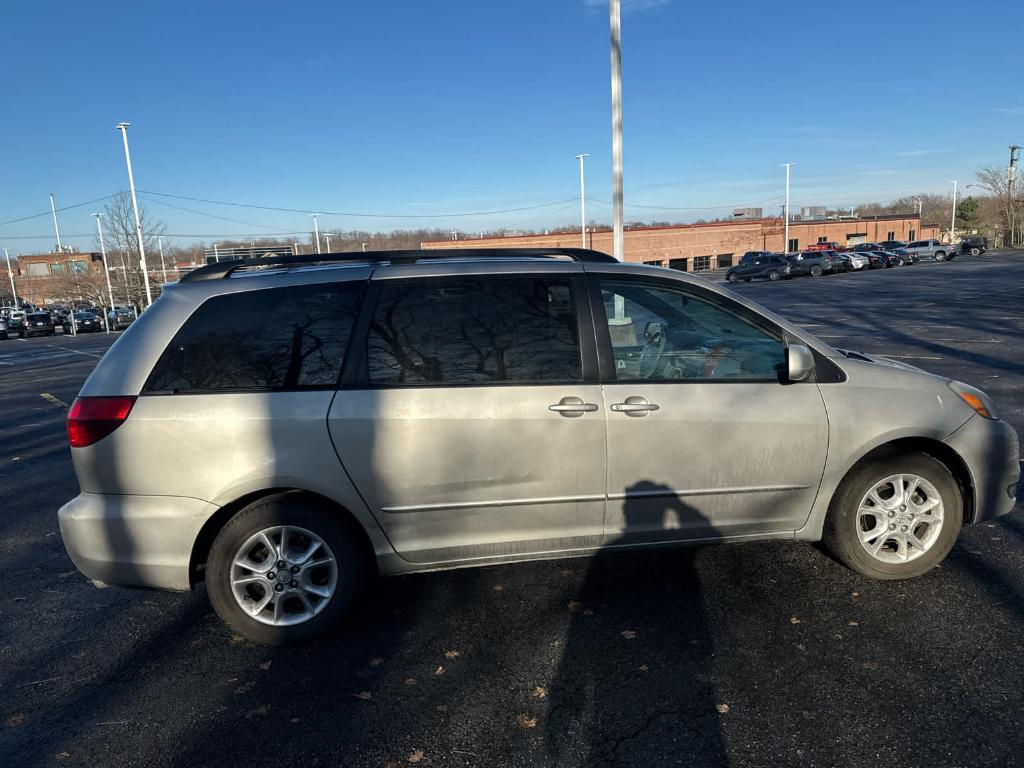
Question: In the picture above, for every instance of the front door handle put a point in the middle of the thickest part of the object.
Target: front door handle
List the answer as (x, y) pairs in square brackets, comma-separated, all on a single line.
[(635, 405), (572, 407)]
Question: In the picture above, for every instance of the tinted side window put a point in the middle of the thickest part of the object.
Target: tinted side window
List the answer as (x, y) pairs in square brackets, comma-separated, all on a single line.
[(276, 339), (474, 331), (667, 334)]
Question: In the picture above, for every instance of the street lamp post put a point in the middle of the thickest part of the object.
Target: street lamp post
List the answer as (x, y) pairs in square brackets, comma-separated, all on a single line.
[(163, 267), (316, 230), (327, 236), (583, 210), (106, 269), (56, 229), (952, 220), (785, 247), (10, 274), (123, 128), (364, 247), (616, 45)]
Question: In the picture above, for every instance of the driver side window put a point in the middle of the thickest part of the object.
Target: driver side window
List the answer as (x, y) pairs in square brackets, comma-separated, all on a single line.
[(662, 333)]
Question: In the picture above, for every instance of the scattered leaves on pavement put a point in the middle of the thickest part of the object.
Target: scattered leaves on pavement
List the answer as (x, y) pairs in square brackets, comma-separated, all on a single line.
[(629, 634), (266, 665), (498, 588), (452, 654), (723, 709), (540, 692), (410, 681), (852, 623), (416, 756), (439, 671), (794, 620), (643, 668), (527, 721), (574, 606), (364, 695), (15, 720)]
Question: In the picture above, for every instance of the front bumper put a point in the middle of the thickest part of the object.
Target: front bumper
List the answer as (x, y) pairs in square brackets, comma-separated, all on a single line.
[(991, 451), (141, 541)]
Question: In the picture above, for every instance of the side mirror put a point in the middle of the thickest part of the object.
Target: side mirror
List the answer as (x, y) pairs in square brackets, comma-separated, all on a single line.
[(799, 363)]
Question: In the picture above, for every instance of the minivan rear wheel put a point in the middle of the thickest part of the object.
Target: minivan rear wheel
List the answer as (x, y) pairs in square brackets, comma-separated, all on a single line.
[(283, 570), (895, 516)]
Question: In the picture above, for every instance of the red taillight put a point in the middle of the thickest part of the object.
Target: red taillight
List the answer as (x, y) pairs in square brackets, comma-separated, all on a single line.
[(93, 418)]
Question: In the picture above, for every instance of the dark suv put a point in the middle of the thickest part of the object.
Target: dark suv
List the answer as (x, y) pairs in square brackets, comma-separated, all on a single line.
[(37, 324), (813, 263), (768, 265), (974, 245)]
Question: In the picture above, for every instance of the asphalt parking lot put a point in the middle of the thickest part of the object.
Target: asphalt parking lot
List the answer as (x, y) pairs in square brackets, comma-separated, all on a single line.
[(745, 655)]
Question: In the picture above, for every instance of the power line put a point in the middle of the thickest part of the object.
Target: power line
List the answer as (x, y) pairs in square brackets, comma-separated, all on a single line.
[(64, 208), (203, 213), (696, 208), (363, 214)]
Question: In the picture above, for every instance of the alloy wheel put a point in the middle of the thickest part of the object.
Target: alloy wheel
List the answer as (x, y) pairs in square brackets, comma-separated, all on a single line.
[(283, 575), (899, 518)]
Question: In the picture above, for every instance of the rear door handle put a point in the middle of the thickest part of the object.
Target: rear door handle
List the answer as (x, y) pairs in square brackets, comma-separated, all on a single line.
[(572, 406), (635, 405)]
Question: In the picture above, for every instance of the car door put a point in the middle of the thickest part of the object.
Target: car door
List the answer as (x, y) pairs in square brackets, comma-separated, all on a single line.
[(474, 429), (706, 439)]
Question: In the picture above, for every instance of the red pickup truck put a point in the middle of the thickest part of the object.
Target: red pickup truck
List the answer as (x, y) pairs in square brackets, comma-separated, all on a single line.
[(826, 247)]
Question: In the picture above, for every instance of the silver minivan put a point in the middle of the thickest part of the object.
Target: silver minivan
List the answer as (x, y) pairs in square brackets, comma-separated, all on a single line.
[(285, 428)]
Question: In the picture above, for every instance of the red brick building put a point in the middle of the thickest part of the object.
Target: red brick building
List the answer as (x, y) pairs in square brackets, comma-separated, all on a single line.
[(698, 247), (58, 264)]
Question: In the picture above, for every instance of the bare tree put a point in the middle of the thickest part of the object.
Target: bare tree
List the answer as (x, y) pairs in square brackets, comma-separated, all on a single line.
[(996, 182), (123, 246)]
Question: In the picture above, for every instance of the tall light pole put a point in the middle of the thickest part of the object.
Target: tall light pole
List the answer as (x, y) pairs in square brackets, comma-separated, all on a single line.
[(617, 216), (583, 208), (106, 269), (316, 230), (1011, 174), (952, 220), (785, 247), (10, 274), (327, 235), (364, 247), (56, 229), (163, 267), (123, 128)]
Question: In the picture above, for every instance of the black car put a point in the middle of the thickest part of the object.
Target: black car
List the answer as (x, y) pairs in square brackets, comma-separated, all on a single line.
[(768, 265), (974, 245), (813, 263), (37, 324), (905, 257), (85, 322), (866, 247), (892, 245), (887, 258), (841, 262)]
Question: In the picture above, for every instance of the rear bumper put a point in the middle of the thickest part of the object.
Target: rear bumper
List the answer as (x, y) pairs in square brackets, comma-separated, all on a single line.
[(992, 453), (141, 541)]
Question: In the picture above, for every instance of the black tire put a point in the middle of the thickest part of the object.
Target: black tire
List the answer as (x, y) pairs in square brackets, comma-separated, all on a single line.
[(815, 271), (840, 534), (900, 262), (940, 255), (732, 277), (774, 275), (285, 509), (975, 252)]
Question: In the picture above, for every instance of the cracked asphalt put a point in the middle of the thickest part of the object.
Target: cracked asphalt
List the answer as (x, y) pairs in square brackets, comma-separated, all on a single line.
[(745, 655)]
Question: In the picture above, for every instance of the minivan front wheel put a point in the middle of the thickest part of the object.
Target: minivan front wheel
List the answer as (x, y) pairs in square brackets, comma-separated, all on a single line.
[(895, 517), (283, 570)]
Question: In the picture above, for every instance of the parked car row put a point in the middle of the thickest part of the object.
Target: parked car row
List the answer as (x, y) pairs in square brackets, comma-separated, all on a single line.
[(28, 321), (816, 261)]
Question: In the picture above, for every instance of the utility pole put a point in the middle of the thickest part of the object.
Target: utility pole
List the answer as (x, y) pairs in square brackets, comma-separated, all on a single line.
[(106, 269), (316, 230), (10, 274), (327, 236), (163, 267), (952, 220), (1011, 182), (123, 128), (617, 214), (56, 229), (583, 209), (364, 247), (216, 255), (785, 248)]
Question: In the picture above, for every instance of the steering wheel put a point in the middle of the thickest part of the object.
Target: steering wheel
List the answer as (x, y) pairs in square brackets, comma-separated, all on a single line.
[(650, 356)]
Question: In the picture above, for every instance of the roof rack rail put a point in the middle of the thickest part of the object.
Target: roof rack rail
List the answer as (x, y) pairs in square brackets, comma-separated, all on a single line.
[(224, 269)]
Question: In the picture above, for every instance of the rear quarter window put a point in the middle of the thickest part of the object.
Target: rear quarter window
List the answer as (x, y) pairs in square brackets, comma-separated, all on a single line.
[(276, 339)]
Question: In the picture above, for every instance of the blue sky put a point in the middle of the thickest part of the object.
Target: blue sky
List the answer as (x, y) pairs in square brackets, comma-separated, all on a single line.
[(423, 108)]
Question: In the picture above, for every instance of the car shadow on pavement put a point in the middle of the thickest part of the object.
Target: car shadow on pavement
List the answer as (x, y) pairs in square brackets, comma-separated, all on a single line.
[(607, 703)]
